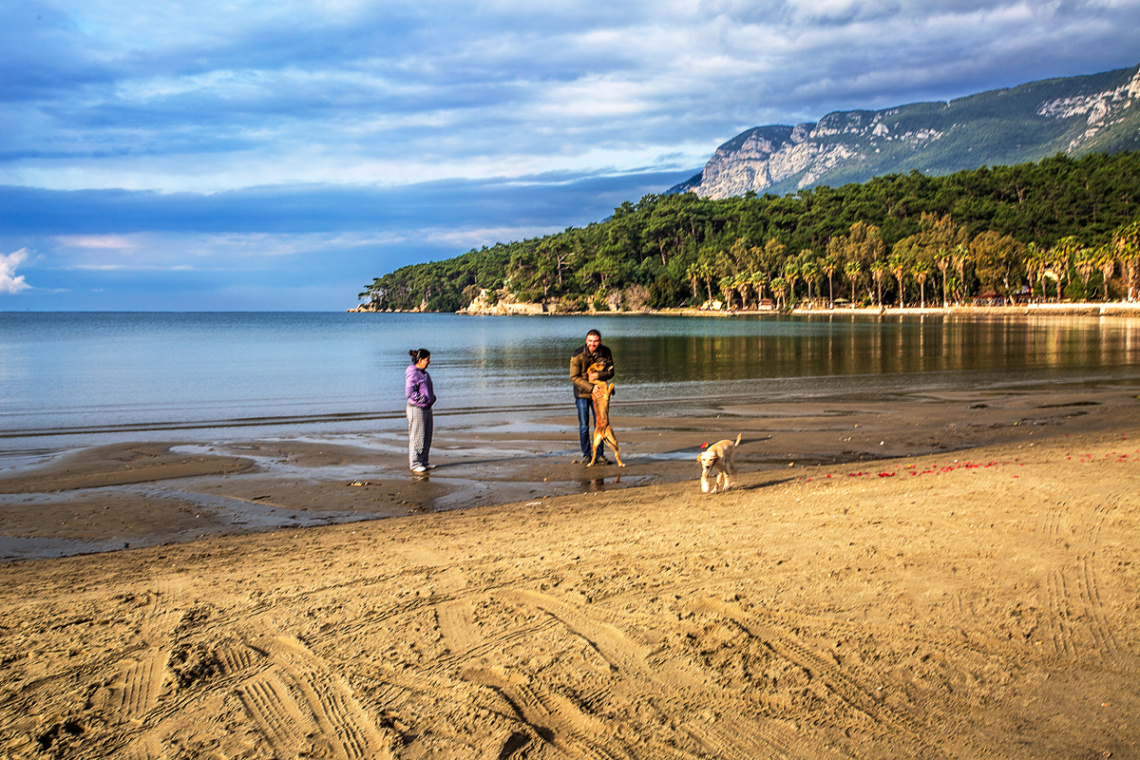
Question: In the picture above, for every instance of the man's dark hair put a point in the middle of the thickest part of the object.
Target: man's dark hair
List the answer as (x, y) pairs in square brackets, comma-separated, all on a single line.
[(594, 332)]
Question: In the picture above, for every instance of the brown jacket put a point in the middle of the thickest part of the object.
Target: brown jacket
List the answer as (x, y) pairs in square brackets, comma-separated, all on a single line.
[(581, 360)]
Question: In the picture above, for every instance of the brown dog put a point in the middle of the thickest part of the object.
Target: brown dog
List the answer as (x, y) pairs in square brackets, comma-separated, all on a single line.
[(602, 429), (719, 458)]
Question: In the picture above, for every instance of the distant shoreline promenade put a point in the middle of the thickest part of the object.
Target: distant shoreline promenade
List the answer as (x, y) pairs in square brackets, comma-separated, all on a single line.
[(1087, 308)]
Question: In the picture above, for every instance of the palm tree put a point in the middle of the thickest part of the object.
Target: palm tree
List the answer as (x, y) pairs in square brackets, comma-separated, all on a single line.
[(693, 272), (705, 272), (828, 265), (809, 269), (1126, 239), (1036, 262), (743, 284), (727, 289), (1086, 263), (1062, 255), (899, 264), (780, 289), (878, 272), (1106, 262), (942, 261), (791, 274), (961, 256), (759, 280), (1031, 266), (853, 272), (1130, 266), (920, 270)]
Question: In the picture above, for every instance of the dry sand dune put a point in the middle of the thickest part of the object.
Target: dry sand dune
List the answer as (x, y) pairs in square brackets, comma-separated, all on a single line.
[(981, 603)]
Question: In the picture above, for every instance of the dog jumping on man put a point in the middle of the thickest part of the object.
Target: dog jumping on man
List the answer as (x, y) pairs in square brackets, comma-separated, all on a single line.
[(603, 431)]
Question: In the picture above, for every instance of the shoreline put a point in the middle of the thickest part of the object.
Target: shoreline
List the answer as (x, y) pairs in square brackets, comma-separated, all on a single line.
[(132, 493), (1090, 308)]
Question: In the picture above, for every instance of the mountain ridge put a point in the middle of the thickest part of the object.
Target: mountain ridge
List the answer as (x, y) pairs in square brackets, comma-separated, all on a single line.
[(1071, 115)]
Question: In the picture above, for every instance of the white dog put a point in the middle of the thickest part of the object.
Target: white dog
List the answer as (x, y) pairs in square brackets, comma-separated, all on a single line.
[(721, 458)]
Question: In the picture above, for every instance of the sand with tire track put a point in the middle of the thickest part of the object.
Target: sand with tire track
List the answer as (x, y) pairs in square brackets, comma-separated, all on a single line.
[(979, 602)]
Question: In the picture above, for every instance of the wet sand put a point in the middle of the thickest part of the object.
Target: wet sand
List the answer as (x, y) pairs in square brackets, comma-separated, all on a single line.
[(924, 576), (145, 493)]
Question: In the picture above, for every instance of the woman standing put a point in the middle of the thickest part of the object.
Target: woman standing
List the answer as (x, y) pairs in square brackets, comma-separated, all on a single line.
[(421, 396)]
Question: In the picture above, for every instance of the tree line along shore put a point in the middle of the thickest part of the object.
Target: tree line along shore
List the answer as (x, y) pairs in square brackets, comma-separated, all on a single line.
[(1059, 230)]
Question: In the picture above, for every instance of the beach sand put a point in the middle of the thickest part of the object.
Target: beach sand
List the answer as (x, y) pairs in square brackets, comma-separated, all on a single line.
[(951, 576)]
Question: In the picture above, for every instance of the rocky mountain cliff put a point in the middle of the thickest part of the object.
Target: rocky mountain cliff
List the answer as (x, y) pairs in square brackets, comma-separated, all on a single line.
[(1074, 115)]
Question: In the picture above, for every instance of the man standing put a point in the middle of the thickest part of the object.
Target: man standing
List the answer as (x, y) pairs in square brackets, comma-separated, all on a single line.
[(591, 353)]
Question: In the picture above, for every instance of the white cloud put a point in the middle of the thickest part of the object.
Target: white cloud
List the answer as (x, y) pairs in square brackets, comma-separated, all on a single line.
[(210, 96), (9, 282), (463, 239), (115, 243), (182, 252)]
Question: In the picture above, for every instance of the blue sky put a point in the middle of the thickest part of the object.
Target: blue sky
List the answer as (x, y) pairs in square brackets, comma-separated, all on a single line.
[(250, 155)]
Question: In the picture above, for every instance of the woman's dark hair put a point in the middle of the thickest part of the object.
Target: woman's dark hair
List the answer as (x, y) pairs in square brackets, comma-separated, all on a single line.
[(419, 355)]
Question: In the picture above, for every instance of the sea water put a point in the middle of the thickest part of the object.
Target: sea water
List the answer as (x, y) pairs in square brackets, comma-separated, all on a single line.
[(84, 378)]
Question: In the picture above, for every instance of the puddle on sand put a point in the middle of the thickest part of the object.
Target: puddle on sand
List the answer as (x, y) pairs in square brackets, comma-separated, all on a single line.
[(13, 548)]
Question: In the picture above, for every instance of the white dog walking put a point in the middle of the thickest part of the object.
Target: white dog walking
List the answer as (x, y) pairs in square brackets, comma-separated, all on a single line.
[(719, 458)]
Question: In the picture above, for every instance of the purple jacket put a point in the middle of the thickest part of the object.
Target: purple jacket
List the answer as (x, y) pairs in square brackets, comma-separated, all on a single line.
[(417, 387)]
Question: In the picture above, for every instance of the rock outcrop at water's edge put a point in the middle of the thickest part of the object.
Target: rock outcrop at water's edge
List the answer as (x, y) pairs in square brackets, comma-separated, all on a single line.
[(503, 305)]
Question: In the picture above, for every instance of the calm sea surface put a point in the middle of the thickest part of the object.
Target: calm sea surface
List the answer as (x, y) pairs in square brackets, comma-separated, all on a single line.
[(86, 377)]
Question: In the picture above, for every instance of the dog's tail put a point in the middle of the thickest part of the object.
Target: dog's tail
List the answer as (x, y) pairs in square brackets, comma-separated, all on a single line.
[(738, 440)]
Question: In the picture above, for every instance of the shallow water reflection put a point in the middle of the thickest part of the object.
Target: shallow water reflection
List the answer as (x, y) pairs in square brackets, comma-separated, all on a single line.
[(281, 374)]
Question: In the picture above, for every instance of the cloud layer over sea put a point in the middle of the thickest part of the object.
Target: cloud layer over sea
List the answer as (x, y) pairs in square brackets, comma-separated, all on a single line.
[(248, 155)]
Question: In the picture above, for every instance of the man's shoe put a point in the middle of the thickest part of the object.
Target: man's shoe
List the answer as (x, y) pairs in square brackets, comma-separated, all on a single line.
[(419, 468)]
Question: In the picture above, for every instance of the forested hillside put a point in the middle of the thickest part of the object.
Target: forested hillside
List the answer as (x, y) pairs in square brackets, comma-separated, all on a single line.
[(1060, 228)]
